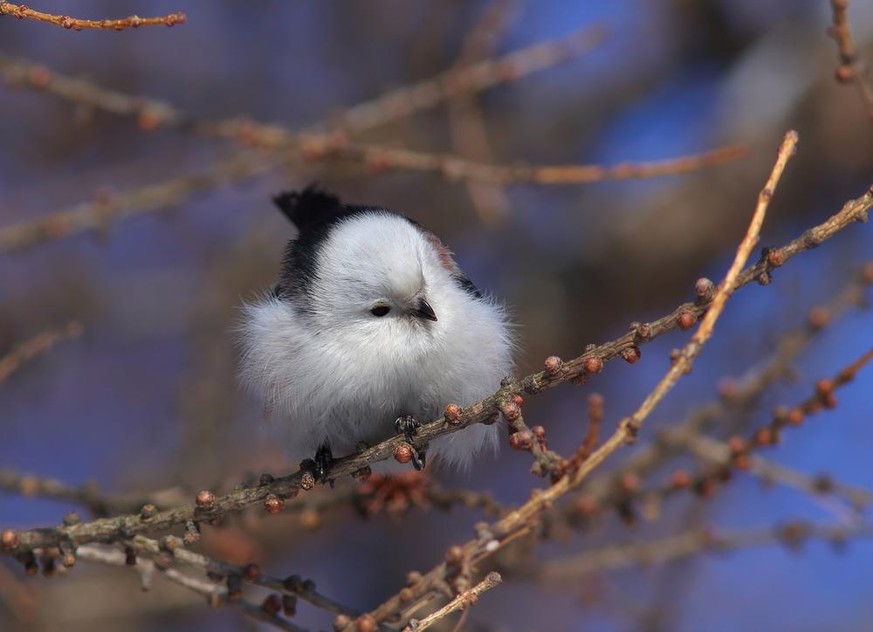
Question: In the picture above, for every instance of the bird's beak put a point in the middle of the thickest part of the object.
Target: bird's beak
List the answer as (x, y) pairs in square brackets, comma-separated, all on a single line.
[(424, 310)]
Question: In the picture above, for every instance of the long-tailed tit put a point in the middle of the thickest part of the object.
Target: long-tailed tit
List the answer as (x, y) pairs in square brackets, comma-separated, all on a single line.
[(371, 326)]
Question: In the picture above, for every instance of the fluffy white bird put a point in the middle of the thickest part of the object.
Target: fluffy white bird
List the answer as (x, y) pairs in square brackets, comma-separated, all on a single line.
[(371, 322)]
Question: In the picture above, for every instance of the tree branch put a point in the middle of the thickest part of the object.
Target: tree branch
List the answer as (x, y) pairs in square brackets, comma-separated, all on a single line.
[(791, 534), (36, 346), (850, 70), (108, 530), (458, 603), (22, 12)]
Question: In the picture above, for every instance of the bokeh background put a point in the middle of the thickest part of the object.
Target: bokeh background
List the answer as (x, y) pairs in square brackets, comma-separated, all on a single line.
[(146, 399)]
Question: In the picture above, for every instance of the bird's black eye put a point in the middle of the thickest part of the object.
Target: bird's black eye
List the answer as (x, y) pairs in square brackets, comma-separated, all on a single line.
[(380, 310)]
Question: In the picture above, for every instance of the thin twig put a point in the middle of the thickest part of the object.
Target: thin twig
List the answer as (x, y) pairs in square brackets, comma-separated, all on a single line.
[(293, 586), (97, 215), (850, 70), (390, 107), (467, 124), (791, 534), (215, 593), (380, 158), (23, 12), (470, 79), (36, 346), (458, 603)]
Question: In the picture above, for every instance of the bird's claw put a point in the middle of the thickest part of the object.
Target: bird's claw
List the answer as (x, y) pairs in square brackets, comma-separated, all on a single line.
[(321, 464), (407, 425)]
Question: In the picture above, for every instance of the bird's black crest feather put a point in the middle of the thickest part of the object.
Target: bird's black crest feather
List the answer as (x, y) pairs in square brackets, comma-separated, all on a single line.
[(310, 207), (314, 212)]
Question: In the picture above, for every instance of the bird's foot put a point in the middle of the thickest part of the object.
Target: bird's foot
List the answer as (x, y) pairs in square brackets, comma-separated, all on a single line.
[(407, 425), (321, 464)]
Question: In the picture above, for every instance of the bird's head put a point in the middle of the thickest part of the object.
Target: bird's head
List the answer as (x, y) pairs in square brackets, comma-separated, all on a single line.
[(377, 272)]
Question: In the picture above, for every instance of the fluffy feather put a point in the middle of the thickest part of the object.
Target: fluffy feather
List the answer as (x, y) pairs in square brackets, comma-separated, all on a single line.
[(329, 370)]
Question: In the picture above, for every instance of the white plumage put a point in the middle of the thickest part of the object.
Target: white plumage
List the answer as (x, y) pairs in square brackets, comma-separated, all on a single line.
[(329, 370)]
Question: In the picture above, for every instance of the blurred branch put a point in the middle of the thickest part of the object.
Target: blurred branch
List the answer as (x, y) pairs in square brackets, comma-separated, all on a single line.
[(173, 550), (40, 487), (22, 12), (97, 215), (625, 346), (387, 108), (850, 70), (467, 122), (470, 79), (216, 594), (160, 197), (380, 158), (285, 146), (792, 535), (36, 346), (150, 113)]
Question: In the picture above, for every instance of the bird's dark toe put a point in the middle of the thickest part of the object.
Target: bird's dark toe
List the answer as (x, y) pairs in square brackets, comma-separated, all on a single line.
[(322, 463), (407, 425)]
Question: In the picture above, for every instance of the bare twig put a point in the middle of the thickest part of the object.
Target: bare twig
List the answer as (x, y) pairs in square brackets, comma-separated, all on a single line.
[(693, 542), (469, 79), (532, 440), (387, 108), (97, 215), (41, 487), (458, 603), (215, 593), (286, 146), (380, 158), (36, 346), (850, 70), (90, 216), (592, 435), (291, 586), (23, 12), (466, 120), (769, 471)]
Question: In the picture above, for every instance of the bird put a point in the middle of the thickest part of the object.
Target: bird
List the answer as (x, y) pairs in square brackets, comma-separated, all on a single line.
[(370, 330)]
